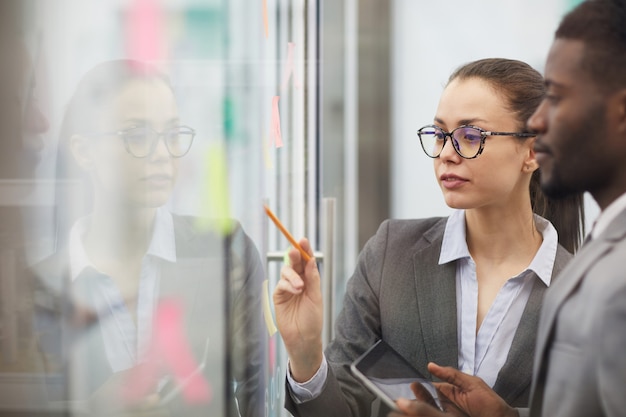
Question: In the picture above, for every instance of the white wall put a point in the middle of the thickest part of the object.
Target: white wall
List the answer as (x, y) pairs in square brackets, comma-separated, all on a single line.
[(431, 39)]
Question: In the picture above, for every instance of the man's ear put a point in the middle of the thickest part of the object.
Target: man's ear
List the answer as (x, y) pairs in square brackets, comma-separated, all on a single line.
[(81, 151), (530, 162)]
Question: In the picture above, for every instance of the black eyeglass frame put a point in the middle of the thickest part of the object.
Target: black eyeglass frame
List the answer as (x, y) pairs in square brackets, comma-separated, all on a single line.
[(159, 135), (483, 135)]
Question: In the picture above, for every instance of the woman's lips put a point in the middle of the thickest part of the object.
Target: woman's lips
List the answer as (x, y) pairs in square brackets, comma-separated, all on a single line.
[(450, 181), (158, 180)]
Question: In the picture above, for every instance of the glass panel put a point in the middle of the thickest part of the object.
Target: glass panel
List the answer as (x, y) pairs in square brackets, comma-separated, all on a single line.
[(135, 280)]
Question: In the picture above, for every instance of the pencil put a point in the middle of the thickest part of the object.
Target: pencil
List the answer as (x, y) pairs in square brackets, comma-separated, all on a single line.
[(285, 232)]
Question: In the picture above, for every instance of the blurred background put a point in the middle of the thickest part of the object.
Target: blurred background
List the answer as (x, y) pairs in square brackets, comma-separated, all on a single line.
[(308, 106)]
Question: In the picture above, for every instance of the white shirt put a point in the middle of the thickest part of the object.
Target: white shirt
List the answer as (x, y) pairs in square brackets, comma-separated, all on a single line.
[(481, 354), (125, 342), (608, 215)]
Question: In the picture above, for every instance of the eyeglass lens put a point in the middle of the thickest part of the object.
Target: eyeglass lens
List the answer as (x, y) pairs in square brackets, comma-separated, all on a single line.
[(142, 140), (466, 140)]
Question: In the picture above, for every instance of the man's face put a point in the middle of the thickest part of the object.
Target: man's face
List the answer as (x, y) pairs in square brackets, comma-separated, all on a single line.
[(574, 147)]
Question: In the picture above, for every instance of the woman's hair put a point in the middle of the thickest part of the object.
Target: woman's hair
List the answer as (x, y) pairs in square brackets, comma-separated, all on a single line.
[(96, 89), (523, 88), (85, 110)]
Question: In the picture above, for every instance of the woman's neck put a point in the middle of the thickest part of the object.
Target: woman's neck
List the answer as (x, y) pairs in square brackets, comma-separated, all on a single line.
[(119, 234), (492, 235)]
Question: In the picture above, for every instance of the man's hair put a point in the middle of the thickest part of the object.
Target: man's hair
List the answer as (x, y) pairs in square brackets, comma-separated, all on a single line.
[(601, 25)]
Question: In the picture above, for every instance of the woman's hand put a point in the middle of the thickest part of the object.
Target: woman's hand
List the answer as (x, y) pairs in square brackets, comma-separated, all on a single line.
[(299, 313)]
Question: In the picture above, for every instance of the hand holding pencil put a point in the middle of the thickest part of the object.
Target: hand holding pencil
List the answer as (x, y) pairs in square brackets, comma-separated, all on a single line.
[(298, 308), (286, 233)]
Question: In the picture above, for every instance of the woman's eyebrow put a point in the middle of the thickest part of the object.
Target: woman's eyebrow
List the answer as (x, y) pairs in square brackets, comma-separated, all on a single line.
[(462, 122), (143, 122)]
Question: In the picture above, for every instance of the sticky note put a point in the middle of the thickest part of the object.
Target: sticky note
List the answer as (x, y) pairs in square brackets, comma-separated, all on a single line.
[(215, 200), (290, 68), (267, 310), (144, 25), (275, 133), (170, 351), (265, 22)]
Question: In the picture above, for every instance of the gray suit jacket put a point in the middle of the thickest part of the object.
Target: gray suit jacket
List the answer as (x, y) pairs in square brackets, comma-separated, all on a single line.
[(401, 294), (580, 366)]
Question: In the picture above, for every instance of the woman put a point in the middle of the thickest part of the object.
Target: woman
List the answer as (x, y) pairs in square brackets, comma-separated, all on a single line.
[(127, 267), (464, 291)]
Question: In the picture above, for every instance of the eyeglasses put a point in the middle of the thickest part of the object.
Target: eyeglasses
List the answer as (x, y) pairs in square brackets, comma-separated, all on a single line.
[(141, 142), (468, 141)]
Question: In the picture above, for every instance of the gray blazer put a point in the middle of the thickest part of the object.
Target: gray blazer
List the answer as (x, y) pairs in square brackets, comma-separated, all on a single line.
[(401, 294), (580, 366)]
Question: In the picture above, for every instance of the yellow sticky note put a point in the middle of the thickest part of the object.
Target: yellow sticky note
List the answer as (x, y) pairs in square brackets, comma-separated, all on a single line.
[(267, 310), (215, 203)]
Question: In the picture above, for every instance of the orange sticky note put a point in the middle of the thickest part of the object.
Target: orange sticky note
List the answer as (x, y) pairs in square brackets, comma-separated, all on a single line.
[(275, 135)]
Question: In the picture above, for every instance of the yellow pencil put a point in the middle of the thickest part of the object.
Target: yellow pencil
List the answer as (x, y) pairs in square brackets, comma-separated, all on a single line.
[(285, 232)]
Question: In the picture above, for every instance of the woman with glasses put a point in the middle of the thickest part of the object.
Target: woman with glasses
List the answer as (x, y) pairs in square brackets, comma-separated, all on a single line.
[(463, 290), (144, 294)]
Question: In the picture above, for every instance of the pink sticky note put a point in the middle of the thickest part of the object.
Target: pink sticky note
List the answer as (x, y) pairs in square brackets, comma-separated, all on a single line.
[(265, 22), (289, 67), (144, 25), (170, 350), (275, 134)]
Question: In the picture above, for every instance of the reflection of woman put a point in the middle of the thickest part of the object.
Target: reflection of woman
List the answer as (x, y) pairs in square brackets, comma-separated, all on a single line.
[(465, 290), (118, 262)]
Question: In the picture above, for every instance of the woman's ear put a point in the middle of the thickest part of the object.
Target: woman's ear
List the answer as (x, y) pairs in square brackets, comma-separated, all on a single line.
[(530, 162), (81, 151)]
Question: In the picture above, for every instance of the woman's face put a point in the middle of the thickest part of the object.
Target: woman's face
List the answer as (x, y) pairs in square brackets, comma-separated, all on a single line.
[(120, 177), (500, 175)]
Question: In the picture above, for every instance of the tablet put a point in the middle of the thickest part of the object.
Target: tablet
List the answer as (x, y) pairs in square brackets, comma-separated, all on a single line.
[(388, 375)]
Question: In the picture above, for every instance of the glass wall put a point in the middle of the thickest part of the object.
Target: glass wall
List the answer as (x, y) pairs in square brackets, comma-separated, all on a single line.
[(142, 139)]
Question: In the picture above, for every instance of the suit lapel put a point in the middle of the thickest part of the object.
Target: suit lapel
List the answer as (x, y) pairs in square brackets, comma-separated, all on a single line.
[(519, 361), (568, 280), (436, 298)]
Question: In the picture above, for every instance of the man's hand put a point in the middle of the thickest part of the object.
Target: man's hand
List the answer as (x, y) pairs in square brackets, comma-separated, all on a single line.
[(460, 395)]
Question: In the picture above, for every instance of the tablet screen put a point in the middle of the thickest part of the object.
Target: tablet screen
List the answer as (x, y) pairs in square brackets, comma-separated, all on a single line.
[(386, 372)]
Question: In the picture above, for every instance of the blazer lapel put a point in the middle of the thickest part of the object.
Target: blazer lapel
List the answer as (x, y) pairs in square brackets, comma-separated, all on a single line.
[(519, 361), (436, 298)]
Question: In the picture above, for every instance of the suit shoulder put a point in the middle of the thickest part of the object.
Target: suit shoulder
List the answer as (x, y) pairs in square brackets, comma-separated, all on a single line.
[(412, 228)]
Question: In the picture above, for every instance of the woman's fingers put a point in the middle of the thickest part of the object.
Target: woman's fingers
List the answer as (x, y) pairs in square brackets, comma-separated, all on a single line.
[(289, 275)]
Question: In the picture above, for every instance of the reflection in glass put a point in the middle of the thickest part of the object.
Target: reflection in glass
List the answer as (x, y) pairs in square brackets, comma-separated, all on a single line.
[(140, 308)]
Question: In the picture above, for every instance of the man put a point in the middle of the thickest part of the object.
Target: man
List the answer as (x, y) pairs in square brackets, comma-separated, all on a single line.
[(580, 363)]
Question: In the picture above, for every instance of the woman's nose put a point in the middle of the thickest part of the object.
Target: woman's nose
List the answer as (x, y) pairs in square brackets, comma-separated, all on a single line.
[(448, 152), (34, 120)]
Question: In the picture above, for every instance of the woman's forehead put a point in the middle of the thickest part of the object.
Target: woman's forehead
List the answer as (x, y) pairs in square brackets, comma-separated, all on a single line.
[(472, 100)]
